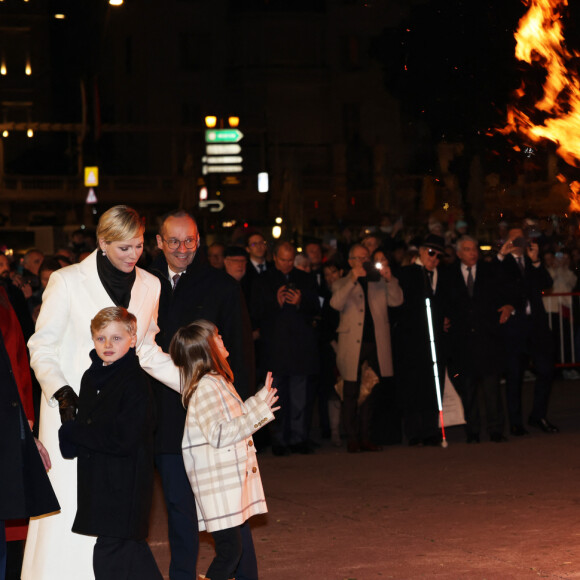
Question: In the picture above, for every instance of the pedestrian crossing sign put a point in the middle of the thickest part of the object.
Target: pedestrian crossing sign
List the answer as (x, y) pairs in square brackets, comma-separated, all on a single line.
[(91, 176)]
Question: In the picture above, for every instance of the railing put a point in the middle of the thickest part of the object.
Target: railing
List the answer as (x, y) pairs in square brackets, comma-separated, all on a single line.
[(563, 310)]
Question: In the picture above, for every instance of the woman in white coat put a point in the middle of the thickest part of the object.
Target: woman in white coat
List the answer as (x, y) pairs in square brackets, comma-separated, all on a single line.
[(59, 352), (364, 334)]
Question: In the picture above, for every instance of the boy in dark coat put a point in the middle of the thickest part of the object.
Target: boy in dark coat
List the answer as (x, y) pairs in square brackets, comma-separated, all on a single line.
[(112, 436)]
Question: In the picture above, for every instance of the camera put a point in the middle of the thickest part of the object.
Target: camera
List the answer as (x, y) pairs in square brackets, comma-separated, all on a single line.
[(519, 242)]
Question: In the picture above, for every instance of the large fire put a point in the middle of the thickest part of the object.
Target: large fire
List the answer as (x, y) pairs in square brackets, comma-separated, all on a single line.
[(540, 41)]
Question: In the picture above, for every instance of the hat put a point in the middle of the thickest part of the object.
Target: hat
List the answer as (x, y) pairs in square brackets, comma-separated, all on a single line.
[(434, 242), (235, 251)]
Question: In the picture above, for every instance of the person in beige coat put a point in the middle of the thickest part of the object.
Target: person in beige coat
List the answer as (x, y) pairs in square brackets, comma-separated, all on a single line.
[(59, 352), (362, 298)]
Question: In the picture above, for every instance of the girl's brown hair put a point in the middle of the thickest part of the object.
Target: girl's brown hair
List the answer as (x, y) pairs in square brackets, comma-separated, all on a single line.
[(195, 352)]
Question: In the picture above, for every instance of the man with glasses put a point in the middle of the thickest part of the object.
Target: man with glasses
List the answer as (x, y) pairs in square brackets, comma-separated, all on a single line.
[(257, 248), (190, 290), (412, 346), (362, 297)]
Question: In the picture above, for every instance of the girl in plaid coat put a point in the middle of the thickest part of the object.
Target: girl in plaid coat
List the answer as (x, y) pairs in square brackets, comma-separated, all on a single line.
[(218, 450)]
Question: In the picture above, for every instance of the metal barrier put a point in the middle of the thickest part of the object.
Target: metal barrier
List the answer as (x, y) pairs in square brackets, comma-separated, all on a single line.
[(563, 310)]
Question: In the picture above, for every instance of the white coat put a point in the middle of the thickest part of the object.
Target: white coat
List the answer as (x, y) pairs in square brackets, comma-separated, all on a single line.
[(219, 453), (348, 298), (59, 355)]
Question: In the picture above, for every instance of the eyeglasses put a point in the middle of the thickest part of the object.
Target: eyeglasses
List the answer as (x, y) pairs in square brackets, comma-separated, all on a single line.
[(262, 243), (434, 253), (174, 243)]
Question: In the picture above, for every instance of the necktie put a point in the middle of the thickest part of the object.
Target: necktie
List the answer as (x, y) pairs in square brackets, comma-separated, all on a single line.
[(469, 281), (520, 261), (261, 268), (175, 279)]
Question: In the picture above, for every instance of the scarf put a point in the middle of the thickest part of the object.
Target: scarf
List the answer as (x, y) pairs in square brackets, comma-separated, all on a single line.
[(117, 284)]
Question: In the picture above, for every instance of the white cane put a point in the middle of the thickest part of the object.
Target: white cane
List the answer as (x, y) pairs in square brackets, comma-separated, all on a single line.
[(435, 369)]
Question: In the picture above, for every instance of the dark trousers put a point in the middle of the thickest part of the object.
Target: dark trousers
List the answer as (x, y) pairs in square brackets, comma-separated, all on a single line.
[(235, 555), (522, 343), (290, 427), (469, 387), (122, 559), (181, 516), (357, 418)]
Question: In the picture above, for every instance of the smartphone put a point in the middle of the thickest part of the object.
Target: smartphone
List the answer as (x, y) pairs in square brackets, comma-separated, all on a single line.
[(519, 242), (372, 273), (290, 286)]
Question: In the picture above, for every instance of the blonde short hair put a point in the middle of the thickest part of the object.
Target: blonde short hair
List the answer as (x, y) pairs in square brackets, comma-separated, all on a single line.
[(119, 224), (114, 314)]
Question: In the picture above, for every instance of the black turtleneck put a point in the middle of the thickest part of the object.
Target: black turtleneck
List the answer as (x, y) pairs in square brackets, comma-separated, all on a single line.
[(117, 284)]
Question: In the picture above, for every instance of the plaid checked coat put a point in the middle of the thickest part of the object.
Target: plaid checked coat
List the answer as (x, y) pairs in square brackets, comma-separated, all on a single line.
[(219, 453)]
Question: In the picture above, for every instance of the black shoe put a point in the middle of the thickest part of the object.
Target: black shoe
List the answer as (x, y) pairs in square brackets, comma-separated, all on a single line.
[(280, 450), (497, 437), (472, 438), (353, 447), (544, 425), (433, 441), (368, 446), (518, 431), (303, 448)]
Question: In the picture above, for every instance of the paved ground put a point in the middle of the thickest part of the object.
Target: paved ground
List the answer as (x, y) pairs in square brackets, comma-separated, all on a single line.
[(487, 511)]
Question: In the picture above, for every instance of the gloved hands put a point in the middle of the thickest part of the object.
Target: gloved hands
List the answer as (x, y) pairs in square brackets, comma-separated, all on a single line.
[(67, 403)]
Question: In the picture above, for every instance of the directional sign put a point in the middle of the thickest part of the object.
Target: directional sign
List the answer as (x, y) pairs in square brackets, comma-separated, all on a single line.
[(205, 169), (222, 159), (223, 135), (214, 205), (223, 149)]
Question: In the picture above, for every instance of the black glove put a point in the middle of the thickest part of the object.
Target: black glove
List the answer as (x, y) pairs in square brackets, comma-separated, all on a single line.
[(68, 403)]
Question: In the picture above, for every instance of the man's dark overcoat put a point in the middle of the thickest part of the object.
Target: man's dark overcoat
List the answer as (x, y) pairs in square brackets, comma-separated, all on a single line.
[(25, 489), (202, 293)]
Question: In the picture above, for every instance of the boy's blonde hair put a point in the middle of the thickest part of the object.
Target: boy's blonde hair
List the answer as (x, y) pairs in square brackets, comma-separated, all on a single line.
[(114, 314), (120, 224), (194, 351)]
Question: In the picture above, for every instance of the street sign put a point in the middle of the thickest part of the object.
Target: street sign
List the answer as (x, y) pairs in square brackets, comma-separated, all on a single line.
[(91, 176), (223, 149), (91, 197), (205, 169), (214, 205), (222, 159), (223, 135)]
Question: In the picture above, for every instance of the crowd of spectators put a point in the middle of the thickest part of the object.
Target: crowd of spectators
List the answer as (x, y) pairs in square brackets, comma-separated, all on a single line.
[(359, 331)]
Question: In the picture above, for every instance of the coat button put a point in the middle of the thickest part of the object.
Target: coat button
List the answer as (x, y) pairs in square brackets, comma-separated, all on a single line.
[(14, 404), (256, 425), (89, 421), (250, 443), (254, 469)]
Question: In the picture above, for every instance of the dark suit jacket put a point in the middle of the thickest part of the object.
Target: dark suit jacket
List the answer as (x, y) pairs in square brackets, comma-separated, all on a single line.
[(202, 293), (25, 488), (474, 335), (288, 334), (112, 436)]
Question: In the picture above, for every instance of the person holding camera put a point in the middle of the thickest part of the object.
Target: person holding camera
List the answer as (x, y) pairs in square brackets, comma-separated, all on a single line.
[(526, 333), (284, 305), (362, 297)]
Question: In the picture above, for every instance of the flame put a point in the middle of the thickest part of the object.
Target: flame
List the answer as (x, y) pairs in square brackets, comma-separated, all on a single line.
[(574, 196), (540, 41)]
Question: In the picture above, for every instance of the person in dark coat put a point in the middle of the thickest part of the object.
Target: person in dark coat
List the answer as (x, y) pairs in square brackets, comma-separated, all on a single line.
[(112, 436), (476, 306), (190, 290), (284, 304), (526, 334), (412, 346), (25, 490)]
